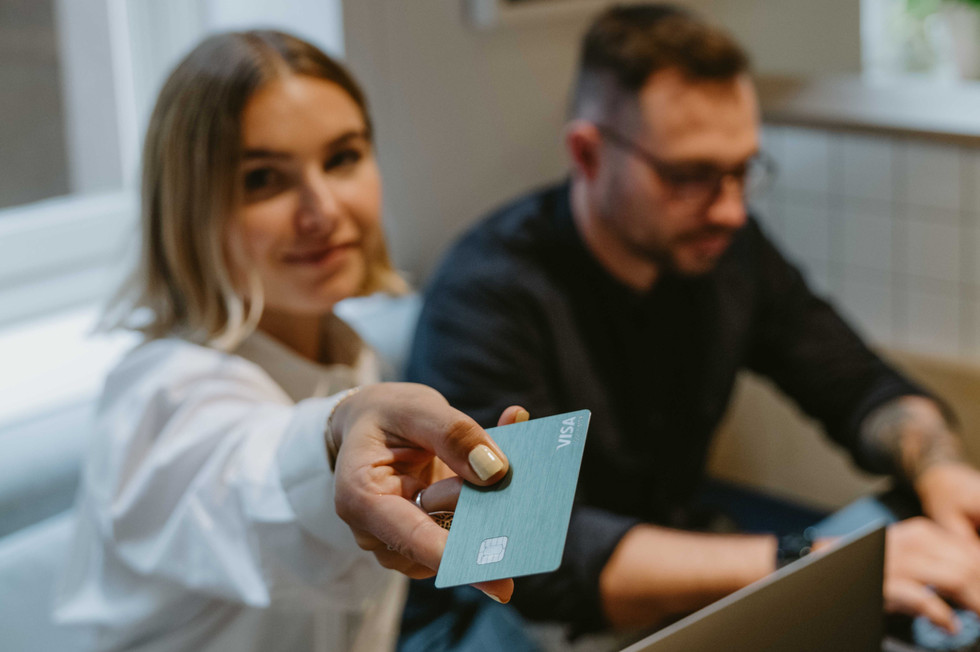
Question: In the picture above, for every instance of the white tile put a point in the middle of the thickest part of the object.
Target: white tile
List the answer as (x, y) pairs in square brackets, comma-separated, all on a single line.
[(817, 275), (858, 274), (933, 323), (867, 166), (914, 212), (867, 235), (869, 308), (806, 231), (932, 175), (771, 140), (933, 251), (805, 161), (766, 210), (971, 194), (972, 235)]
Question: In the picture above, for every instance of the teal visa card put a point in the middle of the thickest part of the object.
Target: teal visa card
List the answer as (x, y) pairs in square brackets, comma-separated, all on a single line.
[(518, 526)]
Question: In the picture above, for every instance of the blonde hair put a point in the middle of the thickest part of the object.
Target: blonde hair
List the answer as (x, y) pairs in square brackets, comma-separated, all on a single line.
[(183, 284)]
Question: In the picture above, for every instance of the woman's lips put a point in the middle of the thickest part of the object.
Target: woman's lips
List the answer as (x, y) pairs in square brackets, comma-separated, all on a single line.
[(319, 256)]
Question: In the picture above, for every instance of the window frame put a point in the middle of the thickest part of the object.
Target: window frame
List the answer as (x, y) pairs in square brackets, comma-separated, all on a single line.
[(61, 258)]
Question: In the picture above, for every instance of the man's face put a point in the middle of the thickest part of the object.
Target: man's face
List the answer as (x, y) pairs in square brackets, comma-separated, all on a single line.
[(694, 130)]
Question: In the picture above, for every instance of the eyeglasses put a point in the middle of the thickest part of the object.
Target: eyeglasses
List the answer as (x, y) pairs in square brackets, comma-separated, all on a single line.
[(697, 183)]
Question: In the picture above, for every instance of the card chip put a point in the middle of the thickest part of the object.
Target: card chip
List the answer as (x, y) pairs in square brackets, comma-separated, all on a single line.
[(492, 550)]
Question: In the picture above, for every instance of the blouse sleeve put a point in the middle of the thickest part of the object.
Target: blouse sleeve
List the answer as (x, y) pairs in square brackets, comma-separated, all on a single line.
[(213, 479)]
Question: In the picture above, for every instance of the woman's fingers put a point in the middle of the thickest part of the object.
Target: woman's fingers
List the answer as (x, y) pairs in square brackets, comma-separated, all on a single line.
[(513, 414), (398, 525), (394, 561), (441, 496), (415, 544), (419, 416), (385, 432), (499, 590)]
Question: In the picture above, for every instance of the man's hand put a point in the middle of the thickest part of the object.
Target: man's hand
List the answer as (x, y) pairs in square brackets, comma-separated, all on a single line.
[(396, 439), (924, 561), (950, 495)]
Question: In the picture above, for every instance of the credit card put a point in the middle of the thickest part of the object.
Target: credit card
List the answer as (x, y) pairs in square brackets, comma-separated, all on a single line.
[(518, 526)]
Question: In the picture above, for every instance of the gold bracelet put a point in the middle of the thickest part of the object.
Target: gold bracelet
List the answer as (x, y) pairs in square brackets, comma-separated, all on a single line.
[(333, 448)]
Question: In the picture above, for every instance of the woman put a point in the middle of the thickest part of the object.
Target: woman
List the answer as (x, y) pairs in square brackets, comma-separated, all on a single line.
[(207, 515)]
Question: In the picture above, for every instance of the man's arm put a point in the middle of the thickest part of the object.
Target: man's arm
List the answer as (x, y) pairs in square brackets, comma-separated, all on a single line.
[(657, 573), (803, 344), (912, 436), (889, 424)]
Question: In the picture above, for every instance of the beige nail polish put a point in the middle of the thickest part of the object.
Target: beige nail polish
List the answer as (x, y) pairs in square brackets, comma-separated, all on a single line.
[(522, 415), (485, 462)]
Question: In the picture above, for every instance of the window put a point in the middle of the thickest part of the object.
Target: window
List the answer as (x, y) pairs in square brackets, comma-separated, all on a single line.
[(78, 79), (928, 38)]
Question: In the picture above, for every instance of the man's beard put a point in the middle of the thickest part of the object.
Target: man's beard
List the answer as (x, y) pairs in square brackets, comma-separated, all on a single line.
[(667, 258)]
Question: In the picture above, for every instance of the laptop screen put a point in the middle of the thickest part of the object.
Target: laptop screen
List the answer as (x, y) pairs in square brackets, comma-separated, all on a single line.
[(829, 600)]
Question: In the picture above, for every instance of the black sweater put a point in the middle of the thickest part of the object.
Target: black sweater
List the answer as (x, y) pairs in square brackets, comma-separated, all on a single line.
[(521, 313)]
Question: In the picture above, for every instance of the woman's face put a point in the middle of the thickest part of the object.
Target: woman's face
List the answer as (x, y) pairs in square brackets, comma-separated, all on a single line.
[(310, 215)]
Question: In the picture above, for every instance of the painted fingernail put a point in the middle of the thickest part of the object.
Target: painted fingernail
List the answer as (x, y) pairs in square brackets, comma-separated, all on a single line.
[(493, 597), (485, 462), (522, 415)]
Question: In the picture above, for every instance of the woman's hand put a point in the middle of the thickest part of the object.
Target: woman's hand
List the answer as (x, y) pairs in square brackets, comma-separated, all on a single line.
[(396, 439)]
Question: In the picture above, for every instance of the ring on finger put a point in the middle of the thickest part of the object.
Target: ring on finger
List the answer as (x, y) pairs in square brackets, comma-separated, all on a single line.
[(443, 519)]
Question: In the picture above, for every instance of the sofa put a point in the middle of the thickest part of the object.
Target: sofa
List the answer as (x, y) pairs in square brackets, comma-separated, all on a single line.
[(39, 473)]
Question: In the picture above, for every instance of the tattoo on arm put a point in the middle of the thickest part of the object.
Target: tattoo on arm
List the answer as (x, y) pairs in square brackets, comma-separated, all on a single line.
[(909, 435)]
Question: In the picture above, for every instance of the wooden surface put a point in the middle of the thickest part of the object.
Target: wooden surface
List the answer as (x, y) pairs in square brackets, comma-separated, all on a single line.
[(913, 107)]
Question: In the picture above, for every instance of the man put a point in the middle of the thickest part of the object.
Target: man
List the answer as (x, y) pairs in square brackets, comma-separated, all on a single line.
[(639, 289)]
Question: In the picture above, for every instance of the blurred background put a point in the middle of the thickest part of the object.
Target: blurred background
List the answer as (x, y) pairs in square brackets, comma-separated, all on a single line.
[(870, 108)]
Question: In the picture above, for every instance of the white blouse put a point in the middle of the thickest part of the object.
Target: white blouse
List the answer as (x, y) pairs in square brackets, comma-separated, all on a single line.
[(206, 519)]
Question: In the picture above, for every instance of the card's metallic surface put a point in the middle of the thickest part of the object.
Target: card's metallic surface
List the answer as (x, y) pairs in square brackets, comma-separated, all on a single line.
[(518, 526)]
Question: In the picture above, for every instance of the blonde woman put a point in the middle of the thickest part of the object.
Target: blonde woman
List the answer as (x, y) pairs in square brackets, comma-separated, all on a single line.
[(208, 513)]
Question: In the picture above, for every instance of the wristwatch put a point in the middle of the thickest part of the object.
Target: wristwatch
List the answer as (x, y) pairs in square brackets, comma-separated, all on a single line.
[(795, 546)]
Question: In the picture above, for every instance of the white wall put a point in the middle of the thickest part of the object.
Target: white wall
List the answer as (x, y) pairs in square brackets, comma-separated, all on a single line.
[(162, 33), (466, 118), (793, 36), (469, 118)]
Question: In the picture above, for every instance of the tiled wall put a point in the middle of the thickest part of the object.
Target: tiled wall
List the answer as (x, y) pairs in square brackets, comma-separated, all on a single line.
[(888, 227)]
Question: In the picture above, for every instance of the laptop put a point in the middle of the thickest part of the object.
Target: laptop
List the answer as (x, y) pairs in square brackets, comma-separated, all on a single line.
[(826, 601)]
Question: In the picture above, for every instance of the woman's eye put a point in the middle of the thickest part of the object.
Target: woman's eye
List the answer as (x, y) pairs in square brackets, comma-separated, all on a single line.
[(263, 183), (259, 179), (343, 158)]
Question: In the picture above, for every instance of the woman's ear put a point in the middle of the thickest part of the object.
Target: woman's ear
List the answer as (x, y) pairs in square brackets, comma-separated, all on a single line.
[(583, 141)]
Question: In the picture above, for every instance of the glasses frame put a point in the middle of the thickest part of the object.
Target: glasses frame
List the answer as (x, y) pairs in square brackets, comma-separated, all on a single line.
[(711, 183)]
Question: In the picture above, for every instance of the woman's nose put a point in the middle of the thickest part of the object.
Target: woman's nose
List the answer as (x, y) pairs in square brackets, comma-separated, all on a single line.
[(319, 209)]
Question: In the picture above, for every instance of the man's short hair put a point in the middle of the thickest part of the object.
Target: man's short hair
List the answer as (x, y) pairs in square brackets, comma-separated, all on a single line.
[(627, 44)]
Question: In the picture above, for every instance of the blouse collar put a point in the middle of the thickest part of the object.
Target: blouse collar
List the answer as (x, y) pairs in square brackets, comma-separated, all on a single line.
[(301, 378)]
